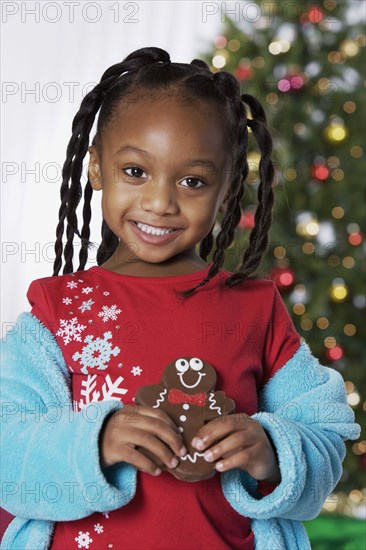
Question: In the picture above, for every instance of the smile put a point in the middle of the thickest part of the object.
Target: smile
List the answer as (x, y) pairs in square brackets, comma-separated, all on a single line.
[(200, 376), (150, 230)]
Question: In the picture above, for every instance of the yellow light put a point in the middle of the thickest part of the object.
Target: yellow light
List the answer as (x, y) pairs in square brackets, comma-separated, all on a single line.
[(322, 323), (258, 62), (330, 342), (299, 309), (356, 152), (306, 324), (323, 84), (356, 449), (275, 48), (349, 329), (361, 40), (312, 229), (330, 506), (349, 47), (233, 45), (335, 132), (338, 212), (272, 98), (353, 399), (339, 292), (333, 260), (355, 496), (308, 248), (290, 174), (349, 106), (285, 46), (333, 161), (337, 174), (349, 386), (279, 252), (348, 262), (218, 61), (299, 128)]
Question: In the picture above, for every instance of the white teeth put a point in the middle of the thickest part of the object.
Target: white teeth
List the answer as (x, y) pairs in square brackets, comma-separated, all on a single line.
[(153, 230)]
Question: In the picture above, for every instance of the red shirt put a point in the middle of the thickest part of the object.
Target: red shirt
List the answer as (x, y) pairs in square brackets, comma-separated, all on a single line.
[(119, 332)]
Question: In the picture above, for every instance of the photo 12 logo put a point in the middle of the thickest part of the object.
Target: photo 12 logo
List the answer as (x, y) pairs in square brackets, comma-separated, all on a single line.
[(70, 12)]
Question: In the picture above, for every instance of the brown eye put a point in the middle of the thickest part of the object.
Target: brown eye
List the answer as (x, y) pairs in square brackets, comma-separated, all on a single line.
[(192, 183), (136, 172)]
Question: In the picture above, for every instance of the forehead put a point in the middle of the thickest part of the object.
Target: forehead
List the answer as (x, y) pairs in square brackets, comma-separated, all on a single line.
[(170, 123)]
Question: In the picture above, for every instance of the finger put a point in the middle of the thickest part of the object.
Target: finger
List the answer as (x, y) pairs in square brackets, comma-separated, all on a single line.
[(153, 458), (228, 446), (240, 459), (159, 415), (149, 420), (155, 447), (140, 461), (219, 428)]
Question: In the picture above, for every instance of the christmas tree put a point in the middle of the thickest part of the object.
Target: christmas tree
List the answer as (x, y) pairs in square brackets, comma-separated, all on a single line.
[(303, 62)]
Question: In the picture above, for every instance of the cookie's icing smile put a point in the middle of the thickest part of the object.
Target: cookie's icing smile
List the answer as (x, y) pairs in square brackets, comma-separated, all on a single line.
[(200, 376)]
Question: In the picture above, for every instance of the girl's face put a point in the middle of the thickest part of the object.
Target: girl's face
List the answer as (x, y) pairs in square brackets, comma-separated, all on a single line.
[(163, 168)]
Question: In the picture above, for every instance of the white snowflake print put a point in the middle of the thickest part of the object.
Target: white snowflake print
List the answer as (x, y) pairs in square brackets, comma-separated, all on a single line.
[(109, 313), (80, 280), (136, 371), (72, 284), (87, 290), (83, 539), (97, 353), (88, 391), (110, 390), (86, 305), (67, 301), (98, 528), (106, 293), (70, 330), (105, 514)]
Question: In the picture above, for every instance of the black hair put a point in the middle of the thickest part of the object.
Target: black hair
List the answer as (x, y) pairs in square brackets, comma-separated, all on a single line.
[(146, 72)]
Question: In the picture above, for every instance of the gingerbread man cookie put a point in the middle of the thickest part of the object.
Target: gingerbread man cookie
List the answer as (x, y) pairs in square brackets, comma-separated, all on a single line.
[(187, 395)]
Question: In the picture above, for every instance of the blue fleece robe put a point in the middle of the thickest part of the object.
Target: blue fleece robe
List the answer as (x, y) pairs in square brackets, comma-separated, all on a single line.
[(303, 407)]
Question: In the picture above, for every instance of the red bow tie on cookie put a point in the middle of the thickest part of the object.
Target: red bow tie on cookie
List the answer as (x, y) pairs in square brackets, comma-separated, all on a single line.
[(176, 396)]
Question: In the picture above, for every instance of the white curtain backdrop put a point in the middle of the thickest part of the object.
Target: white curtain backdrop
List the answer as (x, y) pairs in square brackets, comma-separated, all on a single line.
[(52, 55)]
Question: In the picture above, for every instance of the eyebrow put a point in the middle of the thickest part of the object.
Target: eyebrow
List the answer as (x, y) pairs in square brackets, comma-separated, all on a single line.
[(188, 162)]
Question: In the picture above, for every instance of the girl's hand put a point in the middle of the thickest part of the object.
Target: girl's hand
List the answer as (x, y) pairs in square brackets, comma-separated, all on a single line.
[(238, 441), (141, 436)]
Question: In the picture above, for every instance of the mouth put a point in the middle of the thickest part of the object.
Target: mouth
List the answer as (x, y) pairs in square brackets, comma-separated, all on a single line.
[(154, 230), (200, 376), (153, 234)]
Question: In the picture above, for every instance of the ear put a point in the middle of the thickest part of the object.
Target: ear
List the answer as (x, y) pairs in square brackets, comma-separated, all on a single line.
[(94, 169)]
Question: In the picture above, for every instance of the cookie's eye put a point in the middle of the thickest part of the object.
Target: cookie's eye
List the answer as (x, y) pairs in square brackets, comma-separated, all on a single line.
[(196, 364), (182, 365)]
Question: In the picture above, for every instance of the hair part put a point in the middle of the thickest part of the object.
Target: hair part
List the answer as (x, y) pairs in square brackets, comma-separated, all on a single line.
[(144, 75)]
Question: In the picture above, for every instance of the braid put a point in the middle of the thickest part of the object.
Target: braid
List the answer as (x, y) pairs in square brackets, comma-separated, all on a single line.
[(85, 232), (77, 149), (263, 216), (108, 245)]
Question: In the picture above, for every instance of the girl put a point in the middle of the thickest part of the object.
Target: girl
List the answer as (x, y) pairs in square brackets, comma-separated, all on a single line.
[(83, 467)]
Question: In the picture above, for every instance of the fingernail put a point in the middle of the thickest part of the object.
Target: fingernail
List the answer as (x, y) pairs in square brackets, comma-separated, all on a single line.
[(198, 443), (219, 466), (183, 451), (208, 456), (174, 462), (157, 472)]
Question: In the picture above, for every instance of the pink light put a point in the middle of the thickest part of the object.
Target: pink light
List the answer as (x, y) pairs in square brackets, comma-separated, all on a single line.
[(284, 85)]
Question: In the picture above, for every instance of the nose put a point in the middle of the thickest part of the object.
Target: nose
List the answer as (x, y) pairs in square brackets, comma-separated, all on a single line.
[(159, 197)]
